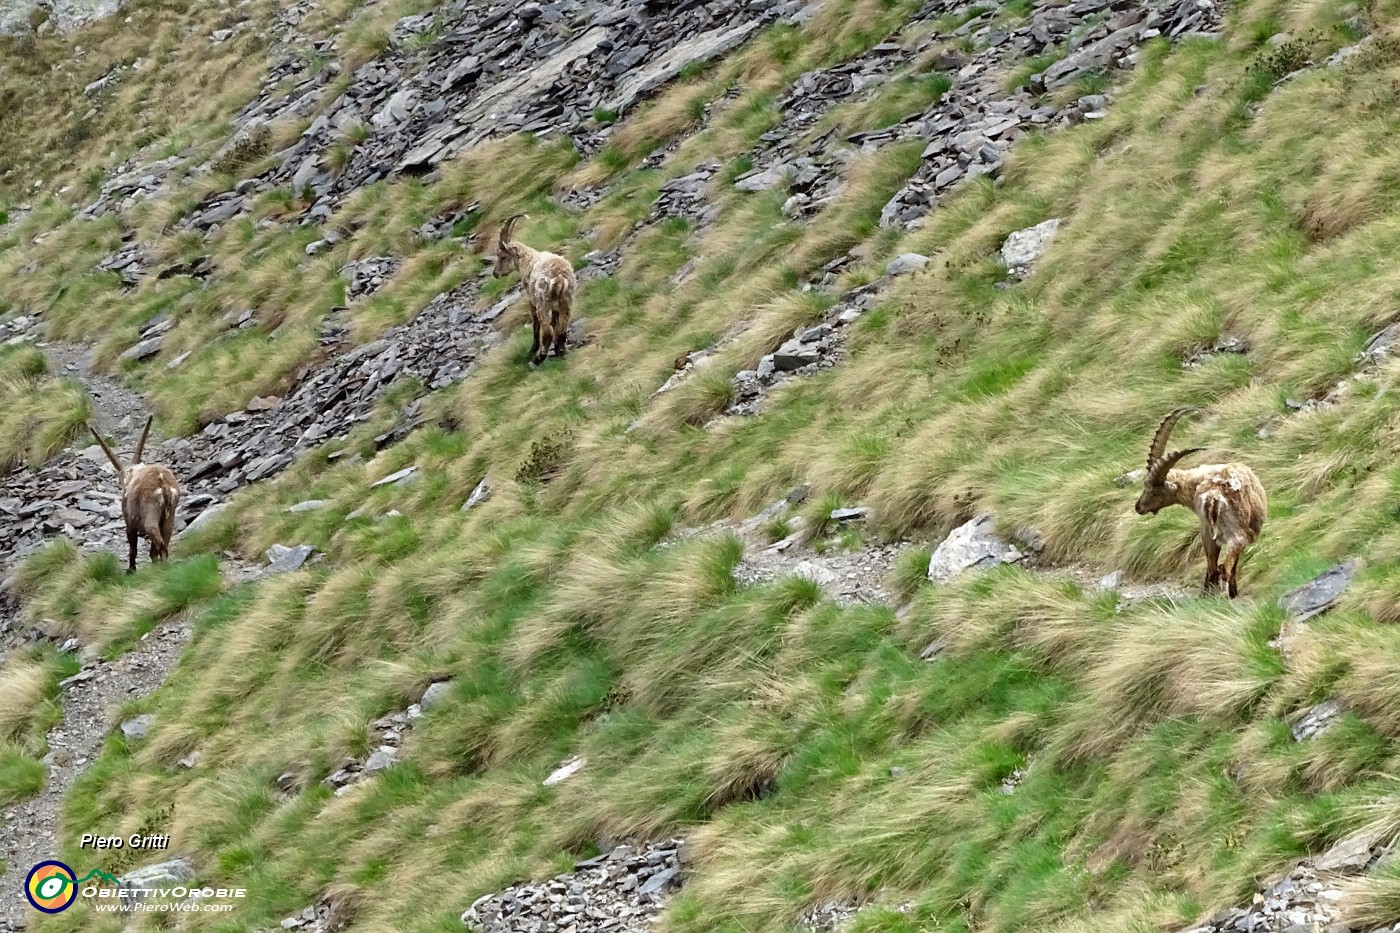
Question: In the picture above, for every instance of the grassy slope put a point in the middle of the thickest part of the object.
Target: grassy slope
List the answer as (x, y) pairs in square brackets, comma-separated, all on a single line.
[(763, 722), (39, 414), (28, 709)]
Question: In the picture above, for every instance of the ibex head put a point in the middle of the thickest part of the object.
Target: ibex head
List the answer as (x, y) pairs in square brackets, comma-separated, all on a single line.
[(507, 251), (1157, 492)]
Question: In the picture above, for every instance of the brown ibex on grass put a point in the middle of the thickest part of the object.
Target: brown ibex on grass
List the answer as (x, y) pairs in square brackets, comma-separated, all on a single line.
[(1226, 497), (150, 494), (550, 286)]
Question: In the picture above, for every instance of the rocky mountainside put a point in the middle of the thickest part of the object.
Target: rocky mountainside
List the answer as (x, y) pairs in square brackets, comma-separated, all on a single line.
[(18, 17), (806, 591)]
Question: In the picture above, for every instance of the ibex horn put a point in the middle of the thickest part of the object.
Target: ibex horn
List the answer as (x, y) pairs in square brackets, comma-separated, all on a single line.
[(508, 228), (141, 444), (1158, 471), (105, 449), (1164, 432)]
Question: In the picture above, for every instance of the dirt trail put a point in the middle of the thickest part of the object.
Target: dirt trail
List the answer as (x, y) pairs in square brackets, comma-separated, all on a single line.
[(91, 700), (116, 410)]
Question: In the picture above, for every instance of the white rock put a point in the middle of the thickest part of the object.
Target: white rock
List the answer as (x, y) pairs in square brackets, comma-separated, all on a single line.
[(971, 546), (1024, 247), (565, 771)]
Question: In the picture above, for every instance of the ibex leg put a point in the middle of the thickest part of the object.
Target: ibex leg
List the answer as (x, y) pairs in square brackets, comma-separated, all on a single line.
[(561, 331), (158, 550), (1232, 566), (1212, 558)]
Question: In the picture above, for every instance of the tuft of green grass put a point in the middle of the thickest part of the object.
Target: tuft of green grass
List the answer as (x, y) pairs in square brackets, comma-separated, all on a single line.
[(588, 608), (21, 775), (39, 416)]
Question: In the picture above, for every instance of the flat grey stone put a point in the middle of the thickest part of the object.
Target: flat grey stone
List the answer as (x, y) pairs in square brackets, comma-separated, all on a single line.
[(138, 727), (1318, 720), (402, 476), (1351, 855), (283, 559), (906, 263), (480, 494), (700, 48), (383, 757), (1133, 478), (176, 871), (794, 355), (933, 649), (145, 349), (437, 691), (657, 882), (1318, 595), (1111, 581), (764, 180), (204, 518)]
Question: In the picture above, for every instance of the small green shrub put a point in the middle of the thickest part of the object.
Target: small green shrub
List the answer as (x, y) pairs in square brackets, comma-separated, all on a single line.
[(546, 458)]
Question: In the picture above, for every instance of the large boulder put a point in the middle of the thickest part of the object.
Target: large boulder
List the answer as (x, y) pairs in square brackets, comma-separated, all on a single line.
[(971, 546)]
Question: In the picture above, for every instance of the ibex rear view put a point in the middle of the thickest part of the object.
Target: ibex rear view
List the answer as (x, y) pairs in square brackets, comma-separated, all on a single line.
[(550, 285), (150, 494), (1226, 497)]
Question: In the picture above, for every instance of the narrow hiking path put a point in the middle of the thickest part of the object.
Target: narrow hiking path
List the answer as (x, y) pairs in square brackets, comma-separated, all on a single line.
[(75, 495), (91, 700), (116, 410), (860, 572)]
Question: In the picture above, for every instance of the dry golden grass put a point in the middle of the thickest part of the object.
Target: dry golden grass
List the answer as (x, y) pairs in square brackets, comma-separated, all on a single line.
[(23, 686), (765, 721), (194, 84)]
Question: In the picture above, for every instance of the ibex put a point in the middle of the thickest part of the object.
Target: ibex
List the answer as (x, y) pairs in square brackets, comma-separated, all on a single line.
[(550, 285), (1226, 497), (150, 494)]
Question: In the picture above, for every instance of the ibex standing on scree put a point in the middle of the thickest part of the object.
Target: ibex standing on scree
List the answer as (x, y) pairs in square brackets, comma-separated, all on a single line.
[(150, 494), (1226, 497), (550, 285)]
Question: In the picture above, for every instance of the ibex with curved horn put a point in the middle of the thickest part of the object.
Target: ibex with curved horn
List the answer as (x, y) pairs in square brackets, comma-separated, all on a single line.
[(550, 285), (150, 494), (1226, 497)]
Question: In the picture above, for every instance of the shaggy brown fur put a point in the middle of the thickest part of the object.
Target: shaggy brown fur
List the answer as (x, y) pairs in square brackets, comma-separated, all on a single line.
[(150, 494), (1227, 497), (550, 285)]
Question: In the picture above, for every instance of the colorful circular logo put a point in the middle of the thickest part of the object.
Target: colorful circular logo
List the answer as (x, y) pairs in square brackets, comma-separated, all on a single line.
[(51, 887)]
